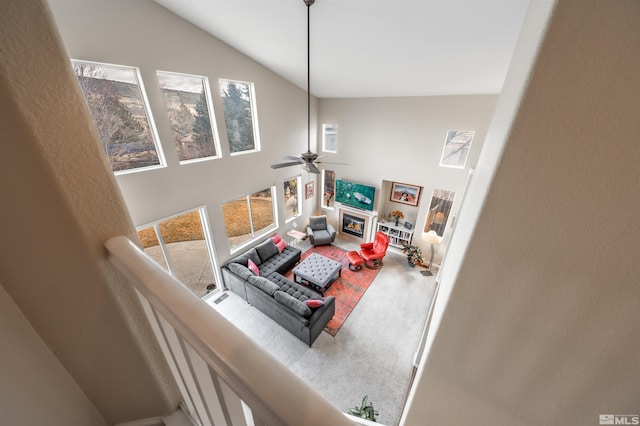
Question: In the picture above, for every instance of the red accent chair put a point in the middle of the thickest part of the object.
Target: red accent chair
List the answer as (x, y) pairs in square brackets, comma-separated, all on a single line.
[(373, 252)]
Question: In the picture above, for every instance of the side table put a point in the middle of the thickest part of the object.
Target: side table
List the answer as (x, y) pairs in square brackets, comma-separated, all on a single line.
[(294, 237)]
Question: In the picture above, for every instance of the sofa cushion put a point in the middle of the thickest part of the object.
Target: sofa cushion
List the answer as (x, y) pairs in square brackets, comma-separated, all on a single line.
[(264, 285), (293, 289), (266, 249), (240, 270), (244, 258), (253, 267), (292, 303)]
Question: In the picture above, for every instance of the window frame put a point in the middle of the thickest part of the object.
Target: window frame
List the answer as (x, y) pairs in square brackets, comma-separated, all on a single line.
[(147, 110), (298, 179), (212, 118), (325, 133), (331, 204), (254, 236), (254, 115), (208, 238)]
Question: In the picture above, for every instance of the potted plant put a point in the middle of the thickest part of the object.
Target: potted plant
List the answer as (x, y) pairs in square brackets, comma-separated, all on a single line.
[(397, 215), (414, 254), (365, 410)]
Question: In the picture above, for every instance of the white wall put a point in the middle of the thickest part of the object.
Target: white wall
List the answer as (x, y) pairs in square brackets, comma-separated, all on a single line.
[(401, 139), (145, 35), (35, 388), (542, 324)]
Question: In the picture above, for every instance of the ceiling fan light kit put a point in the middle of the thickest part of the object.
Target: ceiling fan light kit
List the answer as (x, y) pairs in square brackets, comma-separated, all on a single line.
[(308, 159)]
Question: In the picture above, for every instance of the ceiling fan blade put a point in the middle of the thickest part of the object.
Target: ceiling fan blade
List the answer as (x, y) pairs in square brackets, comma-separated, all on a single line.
[(330, 162), (292, 158), (292, 163), (311, 168)]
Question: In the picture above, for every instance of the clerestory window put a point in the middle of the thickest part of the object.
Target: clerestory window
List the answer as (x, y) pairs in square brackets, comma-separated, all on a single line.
[(187, 99), (240, 116), (118, 105)]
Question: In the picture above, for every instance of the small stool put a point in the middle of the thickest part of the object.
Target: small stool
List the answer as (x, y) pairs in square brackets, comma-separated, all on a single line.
[(355, 261)]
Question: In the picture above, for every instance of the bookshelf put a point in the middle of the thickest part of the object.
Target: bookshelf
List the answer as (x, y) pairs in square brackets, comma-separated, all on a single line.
[(397, 234)]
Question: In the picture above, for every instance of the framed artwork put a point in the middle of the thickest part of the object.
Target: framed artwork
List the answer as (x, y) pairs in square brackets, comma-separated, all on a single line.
[(456, 148), (405, 193), (308, 190)]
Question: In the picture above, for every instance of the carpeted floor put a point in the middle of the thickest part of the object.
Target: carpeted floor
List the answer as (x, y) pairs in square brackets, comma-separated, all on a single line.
[(373, 352), (347, 289)]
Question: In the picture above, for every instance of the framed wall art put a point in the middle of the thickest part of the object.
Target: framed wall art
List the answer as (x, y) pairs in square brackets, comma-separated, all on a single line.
[(308, 190), (405, 193)]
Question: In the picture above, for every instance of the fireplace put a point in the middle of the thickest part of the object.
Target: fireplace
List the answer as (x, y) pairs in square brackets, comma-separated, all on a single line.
[(356, 224), (353, 225)]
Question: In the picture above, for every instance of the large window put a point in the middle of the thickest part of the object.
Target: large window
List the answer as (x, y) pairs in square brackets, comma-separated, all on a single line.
[(240, 116), (292, 198), (188, 102), (179, 245), (117, 102), (250, 216)]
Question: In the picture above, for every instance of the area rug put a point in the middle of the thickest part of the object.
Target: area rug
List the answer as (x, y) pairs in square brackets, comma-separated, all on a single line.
[(348, 289)]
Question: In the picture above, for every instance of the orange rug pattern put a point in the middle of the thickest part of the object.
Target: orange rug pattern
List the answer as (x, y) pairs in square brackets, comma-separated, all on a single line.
[(348, 289)]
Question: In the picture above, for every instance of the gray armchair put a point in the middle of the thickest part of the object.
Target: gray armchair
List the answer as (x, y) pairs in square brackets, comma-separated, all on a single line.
[(320, 231)]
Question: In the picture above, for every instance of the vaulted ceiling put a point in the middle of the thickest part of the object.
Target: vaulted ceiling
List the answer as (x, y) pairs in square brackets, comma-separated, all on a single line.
[(371, 48)]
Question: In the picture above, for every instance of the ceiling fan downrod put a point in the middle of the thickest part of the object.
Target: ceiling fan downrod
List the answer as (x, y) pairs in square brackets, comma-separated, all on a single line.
[(309, 3)]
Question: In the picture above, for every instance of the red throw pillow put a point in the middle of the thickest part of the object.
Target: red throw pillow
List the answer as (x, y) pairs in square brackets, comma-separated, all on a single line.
[(253, 267), (281, 245), (312, 303), (276, 238)]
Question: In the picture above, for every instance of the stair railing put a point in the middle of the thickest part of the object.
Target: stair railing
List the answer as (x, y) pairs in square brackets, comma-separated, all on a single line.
[(224, 377)]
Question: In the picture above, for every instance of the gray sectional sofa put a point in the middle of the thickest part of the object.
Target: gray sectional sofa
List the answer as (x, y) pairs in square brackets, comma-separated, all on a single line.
[(279, 298)]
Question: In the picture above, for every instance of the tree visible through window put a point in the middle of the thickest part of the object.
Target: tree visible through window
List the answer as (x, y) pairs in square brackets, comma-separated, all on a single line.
[(250, 216), (188, 103), (115, 97), (240, 115)]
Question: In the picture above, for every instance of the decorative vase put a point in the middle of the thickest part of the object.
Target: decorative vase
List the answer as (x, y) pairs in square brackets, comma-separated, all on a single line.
[(411, 264), (397, 219)]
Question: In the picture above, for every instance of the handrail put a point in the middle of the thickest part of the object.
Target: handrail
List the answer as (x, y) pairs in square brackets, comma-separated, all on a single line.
[(275, 395)]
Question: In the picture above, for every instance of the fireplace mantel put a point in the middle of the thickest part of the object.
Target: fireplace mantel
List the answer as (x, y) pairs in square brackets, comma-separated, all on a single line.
[(368, 217)]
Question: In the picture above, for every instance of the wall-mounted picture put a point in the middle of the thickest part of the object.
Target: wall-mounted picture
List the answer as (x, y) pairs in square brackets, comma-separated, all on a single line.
[(308, 190), (439, 211), (405, 193), (456, 148)]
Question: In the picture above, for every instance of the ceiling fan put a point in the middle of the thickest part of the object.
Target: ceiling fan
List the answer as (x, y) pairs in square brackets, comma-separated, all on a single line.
[(308, 160)]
